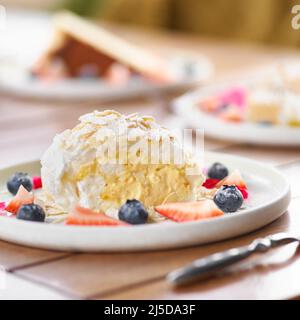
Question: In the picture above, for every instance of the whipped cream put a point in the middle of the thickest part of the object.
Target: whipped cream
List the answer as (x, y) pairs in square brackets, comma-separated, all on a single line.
[(104, 160)]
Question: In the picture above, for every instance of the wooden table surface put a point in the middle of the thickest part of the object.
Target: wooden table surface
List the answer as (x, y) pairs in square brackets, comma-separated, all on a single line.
[(27, 127)]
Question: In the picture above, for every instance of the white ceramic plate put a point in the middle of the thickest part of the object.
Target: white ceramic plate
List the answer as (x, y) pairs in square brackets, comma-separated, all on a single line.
[(16, 79), (246, 132), (269, 199), (25, 38)]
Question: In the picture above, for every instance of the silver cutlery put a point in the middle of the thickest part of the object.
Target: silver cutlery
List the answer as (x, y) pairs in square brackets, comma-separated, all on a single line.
[(209, 266)]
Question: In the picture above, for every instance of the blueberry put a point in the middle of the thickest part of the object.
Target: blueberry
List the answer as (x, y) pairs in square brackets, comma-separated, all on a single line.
[(31, 212), (217, 171), (18, 179), (229, 199), (133, 212)]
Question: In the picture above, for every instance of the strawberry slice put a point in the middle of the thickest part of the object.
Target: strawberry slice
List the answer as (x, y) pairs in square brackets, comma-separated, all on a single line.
[(189, 211), (37, 182), (86, 217), (22, 197), (235, 179), (244, 192), (210, 183)]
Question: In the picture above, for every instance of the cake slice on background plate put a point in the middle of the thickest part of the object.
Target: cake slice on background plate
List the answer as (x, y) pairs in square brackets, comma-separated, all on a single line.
[(264, 106), (80, 48)]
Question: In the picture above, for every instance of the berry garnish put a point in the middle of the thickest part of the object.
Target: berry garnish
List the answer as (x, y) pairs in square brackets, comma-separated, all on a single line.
[(235, 179), (217, 171), (18, 179), (31, 212), (86, 217), (2, 207), (229, 199), (210, 183), (37, 182), (189, 211), (21, 198), (244, 192), (133, 212)]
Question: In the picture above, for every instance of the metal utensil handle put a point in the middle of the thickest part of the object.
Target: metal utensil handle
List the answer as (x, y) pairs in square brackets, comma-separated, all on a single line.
[(205, 267)]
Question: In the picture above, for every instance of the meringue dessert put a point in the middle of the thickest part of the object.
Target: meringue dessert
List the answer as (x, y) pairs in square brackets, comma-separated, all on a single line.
[(106, 160)]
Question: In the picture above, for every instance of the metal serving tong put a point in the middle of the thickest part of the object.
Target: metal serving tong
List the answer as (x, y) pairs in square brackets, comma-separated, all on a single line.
[(209, 266)]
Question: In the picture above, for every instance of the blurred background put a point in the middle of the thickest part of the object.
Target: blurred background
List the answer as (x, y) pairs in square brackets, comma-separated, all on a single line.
[(236, 36), (263, 21)]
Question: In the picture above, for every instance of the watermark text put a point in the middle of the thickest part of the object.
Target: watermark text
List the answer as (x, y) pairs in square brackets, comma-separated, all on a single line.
[(296, 17)]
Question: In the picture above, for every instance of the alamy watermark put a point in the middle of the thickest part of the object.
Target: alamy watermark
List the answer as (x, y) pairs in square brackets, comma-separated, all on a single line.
[(123, 146), (2, 17), (296, 17)]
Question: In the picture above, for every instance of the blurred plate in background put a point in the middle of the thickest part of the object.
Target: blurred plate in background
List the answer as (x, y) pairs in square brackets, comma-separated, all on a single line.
[(187, 108), (28, 32)]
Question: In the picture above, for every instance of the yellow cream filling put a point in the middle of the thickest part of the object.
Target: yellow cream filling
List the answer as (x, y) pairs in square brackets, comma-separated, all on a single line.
[(152, 184)]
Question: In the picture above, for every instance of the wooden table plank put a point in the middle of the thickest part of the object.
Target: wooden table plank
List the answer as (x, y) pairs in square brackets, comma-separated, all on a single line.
[(15, 288), (13, 256)]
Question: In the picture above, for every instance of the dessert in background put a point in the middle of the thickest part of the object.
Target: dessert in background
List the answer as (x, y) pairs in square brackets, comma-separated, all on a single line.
[(81, 49), (273, 98)]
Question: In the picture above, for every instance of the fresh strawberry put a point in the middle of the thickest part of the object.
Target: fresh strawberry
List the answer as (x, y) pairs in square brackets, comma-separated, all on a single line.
[(189, 211), (86, 217), (244, 192), (235, 179), (37, 182), (210, 183), (22, 197)]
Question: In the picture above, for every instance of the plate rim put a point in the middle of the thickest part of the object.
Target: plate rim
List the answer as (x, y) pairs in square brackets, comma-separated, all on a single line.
[(39, 90)]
